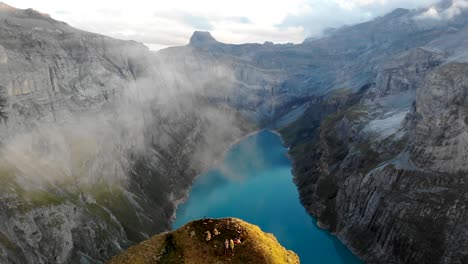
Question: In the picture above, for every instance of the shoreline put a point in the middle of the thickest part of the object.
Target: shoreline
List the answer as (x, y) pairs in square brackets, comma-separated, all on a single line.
[(319, 224), (215, 163), (195, 202)]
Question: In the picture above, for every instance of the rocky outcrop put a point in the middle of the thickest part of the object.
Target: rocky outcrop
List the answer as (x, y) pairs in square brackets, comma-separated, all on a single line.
[(406, 72), (440, 121), (202, 241)]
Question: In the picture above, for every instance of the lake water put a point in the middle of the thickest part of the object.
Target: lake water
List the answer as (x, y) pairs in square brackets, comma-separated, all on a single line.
[(254, 183)]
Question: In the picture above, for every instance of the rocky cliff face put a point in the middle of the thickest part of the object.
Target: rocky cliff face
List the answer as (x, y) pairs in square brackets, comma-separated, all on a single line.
[(385, 171), (375, 177), (99, 142), (440, 120)]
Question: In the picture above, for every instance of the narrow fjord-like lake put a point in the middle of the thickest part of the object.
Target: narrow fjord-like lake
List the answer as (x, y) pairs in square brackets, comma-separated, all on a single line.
[(254, 183)]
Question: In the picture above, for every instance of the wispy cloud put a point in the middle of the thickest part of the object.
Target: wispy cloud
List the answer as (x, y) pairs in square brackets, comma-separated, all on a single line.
[(447, 11), (161, 23), (317, 15)]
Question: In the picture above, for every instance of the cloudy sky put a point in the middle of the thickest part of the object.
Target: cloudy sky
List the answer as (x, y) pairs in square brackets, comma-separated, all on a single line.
[(163, 23)]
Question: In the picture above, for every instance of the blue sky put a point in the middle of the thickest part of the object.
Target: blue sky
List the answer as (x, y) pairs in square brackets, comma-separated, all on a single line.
[(160, 24)]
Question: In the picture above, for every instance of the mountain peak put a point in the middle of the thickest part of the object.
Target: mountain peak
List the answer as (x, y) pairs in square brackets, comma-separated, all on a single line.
[(397, 12), (202, 38)]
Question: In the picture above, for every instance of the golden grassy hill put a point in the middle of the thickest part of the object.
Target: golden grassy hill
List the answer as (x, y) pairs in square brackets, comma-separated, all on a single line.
[(188, 245)]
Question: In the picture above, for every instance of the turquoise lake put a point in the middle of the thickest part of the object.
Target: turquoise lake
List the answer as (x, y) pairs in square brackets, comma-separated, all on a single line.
[(254, 183)]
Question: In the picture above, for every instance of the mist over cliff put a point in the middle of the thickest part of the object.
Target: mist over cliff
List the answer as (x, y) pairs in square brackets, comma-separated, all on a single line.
[(100, 139)]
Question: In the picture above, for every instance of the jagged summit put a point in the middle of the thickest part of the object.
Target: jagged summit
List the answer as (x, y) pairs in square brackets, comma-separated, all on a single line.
[(202, 38)]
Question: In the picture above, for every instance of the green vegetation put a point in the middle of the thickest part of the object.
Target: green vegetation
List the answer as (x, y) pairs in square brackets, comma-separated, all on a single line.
[(113, 198), (105, 194), (189, 245), (43, 198)]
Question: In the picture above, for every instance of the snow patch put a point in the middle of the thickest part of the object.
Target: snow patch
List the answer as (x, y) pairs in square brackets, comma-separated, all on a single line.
[(403, 162), (390, 125), (455, 9)]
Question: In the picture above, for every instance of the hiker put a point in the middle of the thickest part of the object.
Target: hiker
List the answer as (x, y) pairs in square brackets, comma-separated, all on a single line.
[(226, 247), (231, 246)]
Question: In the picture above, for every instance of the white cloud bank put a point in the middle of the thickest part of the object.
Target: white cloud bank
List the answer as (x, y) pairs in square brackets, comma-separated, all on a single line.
[(166, 23), (317, 15), (448, 12)]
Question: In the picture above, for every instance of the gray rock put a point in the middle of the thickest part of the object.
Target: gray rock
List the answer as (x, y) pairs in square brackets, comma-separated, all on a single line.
[(99, 143), (393, 189)]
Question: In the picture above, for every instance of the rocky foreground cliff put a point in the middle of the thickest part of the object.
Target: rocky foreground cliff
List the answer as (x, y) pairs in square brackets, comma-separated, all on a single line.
[(192, 244)]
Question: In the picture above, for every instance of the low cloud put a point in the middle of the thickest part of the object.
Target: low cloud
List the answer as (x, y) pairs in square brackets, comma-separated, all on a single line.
[(161, 23), (445, 10), (316, 15), (89, 147)]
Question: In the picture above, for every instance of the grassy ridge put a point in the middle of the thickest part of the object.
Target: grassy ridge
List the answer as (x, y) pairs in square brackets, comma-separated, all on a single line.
[(188, 245)]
